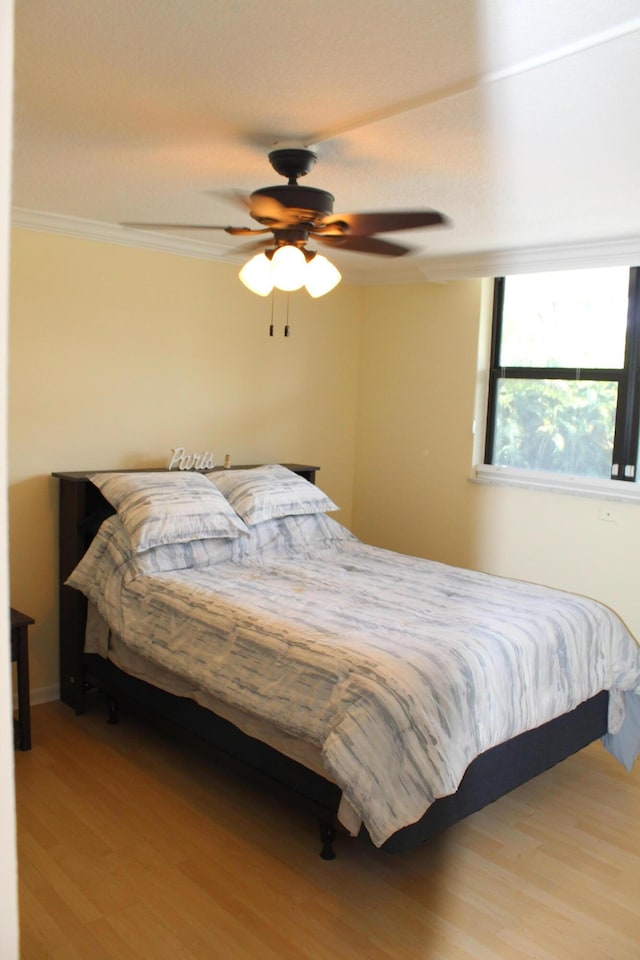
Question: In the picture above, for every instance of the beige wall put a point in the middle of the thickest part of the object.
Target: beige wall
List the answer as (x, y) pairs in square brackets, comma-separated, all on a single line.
[(420, 356), (416, 409), (117, 355)]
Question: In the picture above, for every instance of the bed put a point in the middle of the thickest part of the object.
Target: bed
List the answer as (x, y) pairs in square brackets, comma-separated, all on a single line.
[(394, 694)]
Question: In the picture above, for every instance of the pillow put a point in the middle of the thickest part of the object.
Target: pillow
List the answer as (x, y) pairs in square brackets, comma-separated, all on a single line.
[(191, 554), (110, 558), (108, 554), (297, 536), (110, 564), (266, 493), (160, 508)]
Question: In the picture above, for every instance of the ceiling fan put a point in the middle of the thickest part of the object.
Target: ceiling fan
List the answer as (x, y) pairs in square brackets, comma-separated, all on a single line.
[(293, 214)]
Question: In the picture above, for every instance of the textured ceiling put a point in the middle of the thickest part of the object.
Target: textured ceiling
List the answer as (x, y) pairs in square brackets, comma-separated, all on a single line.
[(516, 118)]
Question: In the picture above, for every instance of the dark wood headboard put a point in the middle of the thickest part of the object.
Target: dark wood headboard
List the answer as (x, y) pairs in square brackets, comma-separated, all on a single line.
[(82, 510)]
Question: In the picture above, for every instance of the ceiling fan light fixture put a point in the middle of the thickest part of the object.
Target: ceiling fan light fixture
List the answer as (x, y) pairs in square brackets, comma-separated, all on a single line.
[(321, 276), (289, 267), (257, 275)]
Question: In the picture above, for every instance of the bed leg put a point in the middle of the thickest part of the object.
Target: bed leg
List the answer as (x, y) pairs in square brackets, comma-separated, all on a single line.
[(112, 707), (80, 704), (327, 836)]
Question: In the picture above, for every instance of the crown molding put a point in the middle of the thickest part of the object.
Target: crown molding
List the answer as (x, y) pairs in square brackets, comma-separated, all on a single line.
[(619, 252), (82, 229), (624, 251)]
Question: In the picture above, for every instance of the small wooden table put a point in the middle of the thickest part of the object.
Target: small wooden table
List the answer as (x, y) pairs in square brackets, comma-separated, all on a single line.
[(20, 624)]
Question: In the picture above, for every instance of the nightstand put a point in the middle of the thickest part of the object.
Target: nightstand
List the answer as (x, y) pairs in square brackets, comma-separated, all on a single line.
[(20, 624)]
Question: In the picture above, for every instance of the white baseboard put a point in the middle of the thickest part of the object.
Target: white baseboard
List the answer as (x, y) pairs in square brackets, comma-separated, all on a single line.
[(45, 694)]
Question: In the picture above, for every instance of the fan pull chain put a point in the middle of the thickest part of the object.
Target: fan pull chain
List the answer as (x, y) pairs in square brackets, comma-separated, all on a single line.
[(287, 328)]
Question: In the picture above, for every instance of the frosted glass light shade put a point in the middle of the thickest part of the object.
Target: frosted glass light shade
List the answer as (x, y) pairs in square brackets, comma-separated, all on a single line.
[(321, 276), (257, 275), (289, 268)]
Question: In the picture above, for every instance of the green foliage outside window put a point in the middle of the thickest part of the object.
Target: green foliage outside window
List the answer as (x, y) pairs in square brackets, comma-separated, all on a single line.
[(556, 425)]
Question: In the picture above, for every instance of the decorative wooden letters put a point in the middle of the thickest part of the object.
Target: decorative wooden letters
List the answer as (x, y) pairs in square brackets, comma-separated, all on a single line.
[(181, 460)]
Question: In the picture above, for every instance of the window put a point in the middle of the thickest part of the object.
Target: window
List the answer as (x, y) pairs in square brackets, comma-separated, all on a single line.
[(564, 385)]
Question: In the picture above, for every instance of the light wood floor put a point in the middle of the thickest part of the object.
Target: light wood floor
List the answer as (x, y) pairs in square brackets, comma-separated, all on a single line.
[(132, 846)]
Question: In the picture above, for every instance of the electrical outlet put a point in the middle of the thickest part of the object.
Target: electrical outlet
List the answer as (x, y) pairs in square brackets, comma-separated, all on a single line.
[(607, 514)]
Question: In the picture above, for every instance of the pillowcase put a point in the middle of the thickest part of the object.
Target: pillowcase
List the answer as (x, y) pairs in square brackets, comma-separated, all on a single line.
[(108, 554), (266, 493), (160, 508), (298, 536), (191, 554), (111, 556)]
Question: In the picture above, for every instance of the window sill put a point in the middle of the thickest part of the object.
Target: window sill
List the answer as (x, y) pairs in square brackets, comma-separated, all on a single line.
[(556, 483)]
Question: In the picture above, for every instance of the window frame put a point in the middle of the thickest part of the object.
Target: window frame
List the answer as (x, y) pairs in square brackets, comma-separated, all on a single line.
[(624, 463)]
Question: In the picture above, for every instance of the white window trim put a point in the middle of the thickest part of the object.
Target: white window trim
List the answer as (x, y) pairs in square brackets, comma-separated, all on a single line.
[(592, 487)]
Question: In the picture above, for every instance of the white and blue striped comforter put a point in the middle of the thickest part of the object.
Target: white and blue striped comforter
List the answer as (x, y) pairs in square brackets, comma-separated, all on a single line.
[(399, 670)]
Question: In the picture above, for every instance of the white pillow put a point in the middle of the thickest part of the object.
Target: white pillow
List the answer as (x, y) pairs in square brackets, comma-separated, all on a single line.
[(297, 536), (160, 508), (266, 493)]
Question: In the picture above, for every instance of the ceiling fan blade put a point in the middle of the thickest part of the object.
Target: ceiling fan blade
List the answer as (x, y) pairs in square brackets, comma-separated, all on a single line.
[(235, 231), (267, 209), (362, 245), (238, 198), (260, 206), (366, 224)]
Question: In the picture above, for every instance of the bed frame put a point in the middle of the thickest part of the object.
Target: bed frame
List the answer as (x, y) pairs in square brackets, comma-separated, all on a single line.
[(490, 776)]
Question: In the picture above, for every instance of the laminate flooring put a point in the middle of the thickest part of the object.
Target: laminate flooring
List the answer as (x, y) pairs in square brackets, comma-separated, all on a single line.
[(134, 845)]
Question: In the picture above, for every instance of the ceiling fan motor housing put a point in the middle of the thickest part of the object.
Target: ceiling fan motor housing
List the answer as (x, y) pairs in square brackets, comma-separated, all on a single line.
[(304, 204)]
